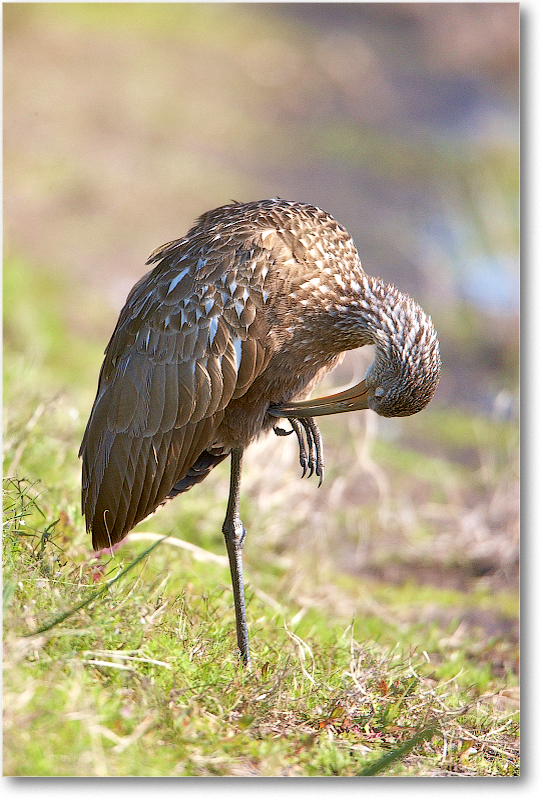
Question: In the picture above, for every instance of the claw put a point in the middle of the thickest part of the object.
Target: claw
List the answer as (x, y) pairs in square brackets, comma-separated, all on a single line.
[(281, 431), (310, 447), (298, 428), (311, 457), (313, 433)]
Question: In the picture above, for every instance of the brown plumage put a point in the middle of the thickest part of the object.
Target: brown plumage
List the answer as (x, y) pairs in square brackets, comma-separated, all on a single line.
[(231, 329)]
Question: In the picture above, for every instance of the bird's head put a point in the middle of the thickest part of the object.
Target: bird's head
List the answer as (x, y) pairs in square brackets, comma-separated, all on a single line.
[(405, 373)]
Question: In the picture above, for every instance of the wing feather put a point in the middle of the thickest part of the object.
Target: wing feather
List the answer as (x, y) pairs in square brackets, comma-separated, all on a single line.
[(185, 383), (107, 495), (157, 401), (166, 449), (202, 392), (229, 370), (172, 398), (126, 394), (213, 367), (148, 468), (132, 487), (247, 367)]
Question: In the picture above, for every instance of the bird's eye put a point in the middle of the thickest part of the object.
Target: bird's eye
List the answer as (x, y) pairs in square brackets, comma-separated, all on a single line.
[(379, 392)]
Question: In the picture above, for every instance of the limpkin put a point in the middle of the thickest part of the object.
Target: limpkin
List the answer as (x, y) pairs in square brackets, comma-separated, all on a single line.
[(229, 331)]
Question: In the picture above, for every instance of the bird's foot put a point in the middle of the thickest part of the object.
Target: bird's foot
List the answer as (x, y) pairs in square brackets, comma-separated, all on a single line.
[(311, 456)]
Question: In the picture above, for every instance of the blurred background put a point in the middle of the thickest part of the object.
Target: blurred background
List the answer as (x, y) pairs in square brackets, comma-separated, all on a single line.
[(124, 122)]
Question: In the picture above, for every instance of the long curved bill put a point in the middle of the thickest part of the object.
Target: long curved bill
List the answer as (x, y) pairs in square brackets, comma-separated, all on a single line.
[(352, 399)]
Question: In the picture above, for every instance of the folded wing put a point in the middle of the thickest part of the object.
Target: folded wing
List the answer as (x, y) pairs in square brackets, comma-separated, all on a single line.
[(190, 338)]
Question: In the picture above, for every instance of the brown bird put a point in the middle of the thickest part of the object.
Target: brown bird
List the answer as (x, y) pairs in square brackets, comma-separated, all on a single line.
[(231, 329)]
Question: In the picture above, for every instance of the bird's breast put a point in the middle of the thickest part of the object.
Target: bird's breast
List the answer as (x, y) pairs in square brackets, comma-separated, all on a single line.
[(286, 378)]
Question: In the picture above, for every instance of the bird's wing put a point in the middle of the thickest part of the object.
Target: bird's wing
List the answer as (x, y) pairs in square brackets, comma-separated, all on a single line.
[(191, 337)]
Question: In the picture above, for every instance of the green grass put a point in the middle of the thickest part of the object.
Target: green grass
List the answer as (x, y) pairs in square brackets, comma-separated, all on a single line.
[(127, 666), (144, 680)]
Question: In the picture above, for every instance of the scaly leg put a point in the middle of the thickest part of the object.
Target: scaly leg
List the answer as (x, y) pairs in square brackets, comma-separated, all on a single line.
[(234, 535)]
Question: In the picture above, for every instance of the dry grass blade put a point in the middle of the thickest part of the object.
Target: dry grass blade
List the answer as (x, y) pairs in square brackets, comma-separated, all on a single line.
[(197, 552)]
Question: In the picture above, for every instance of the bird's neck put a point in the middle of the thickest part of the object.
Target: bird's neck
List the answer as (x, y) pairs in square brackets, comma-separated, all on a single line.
[(368, 311)]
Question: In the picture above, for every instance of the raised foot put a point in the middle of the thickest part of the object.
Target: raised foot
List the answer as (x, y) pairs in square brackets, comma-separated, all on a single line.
[(309, 443)]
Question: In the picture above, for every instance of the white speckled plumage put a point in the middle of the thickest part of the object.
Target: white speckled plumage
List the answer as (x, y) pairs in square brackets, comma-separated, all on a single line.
[(237, 319)]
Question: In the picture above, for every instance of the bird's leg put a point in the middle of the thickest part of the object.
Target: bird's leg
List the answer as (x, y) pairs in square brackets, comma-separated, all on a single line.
[(234, 535)]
